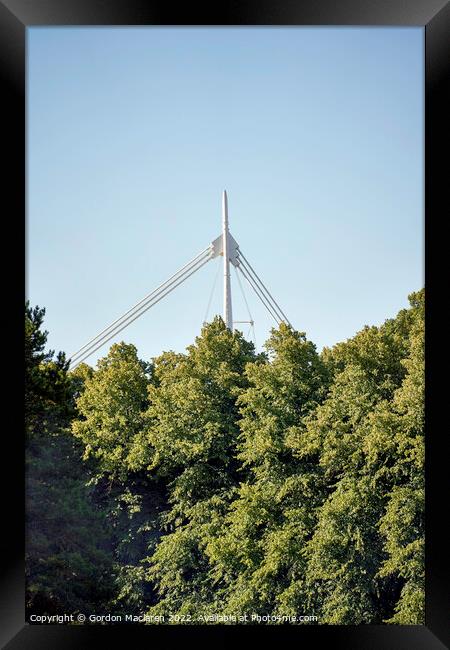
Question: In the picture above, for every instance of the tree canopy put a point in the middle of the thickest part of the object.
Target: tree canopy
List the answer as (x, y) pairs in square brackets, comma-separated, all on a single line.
[(219, 480)]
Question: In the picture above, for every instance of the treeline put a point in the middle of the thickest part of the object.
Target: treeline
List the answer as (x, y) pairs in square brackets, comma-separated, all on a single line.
[(223, 481)]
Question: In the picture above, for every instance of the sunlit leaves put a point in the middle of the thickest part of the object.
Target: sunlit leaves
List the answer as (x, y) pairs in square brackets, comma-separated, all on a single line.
[(283, 483), (111, 407)]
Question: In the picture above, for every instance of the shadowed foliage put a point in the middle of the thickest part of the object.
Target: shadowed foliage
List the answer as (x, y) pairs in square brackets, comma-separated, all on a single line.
[(222, 481)]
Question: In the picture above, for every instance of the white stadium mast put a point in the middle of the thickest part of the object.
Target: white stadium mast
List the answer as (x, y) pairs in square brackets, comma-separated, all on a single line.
[(227, 307), (224, 245)]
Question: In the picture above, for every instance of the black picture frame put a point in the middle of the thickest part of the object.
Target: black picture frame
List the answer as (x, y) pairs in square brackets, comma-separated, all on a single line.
[(15, 17)]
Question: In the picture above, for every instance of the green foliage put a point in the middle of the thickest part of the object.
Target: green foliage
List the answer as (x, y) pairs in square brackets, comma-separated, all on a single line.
[(369, 439), (192, 415), (111, 403), (68, 563), (402, 524), (68, 554), (111, 406), (222, 481), (47, 387), (258, 557), (192, 426)]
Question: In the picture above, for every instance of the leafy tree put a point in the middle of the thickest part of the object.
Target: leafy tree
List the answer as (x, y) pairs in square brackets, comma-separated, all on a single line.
[(259, 554), (402, 524), (47, 387), (111, 409), (366, 458), (68, 567), (193, 430), (220, 480), (111, 405), (68, 550)]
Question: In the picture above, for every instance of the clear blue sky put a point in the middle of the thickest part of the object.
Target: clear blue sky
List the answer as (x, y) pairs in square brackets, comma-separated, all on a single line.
[(317, 134)]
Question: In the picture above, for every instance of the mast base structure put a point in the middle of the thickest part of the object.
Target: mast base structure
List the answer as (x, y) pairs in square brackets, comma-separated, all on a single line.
[(224, 245)]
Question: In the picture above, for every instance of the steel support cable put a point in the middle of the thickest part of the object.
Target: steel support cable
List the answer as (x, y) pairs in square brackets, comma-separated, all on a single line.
[(252, 322), (276, 308), (243, 294), (141, 302), (252, 326), (254, 334), (211, 294), (98, 344), (272, 306), (250, 268), (258, 293), (242, 291), (147, 297)]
